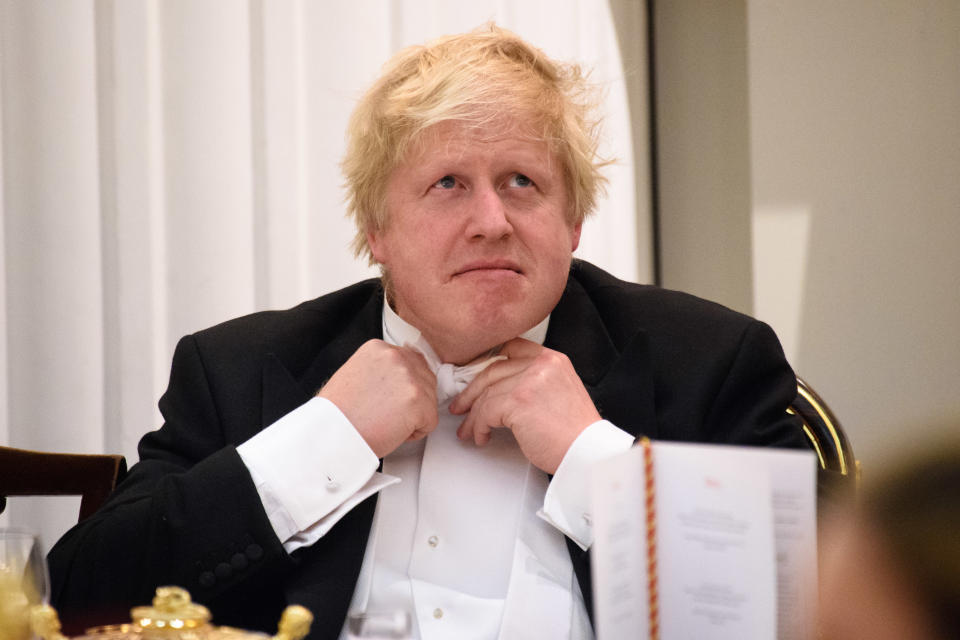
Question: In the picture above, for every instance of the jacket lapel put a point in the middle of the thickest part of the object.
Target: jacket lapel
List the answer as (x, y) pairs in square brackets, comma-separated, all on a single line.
[(618, 379), (283, 392)]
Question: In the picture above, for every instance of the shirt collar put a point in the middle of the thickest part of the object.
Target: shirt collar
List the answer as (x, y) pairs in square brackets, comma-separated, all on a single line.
[(398, 332)]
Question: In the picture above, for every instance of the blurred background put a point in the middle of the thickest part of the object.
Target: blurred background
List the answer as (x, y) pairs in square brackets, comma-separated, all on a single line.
[(169, 164)]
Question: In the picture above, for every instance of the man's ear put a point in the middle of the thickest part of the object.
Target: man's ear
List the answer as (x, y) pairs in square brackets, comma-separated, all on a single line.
[(575, 236), (376, 244)]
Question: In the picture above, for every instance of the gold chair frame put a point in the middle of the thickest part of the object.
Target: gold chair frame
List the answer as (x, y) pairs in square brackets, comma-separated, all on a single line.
[(824, 431)]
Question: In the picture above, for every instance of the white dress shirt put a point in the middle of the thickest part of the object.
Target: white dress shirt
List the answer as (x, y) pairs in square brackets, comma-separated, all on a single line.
[(467, 539)]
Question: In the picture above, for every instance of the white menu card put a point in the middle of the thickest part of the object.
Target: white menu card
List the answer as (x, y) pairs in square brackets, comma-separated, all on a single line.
[(733, 548)]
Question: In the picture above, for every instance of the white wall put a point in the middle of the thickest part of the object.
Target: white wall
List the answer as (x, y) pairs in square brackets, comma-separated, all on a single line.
[(703, 149), (853, 201), (855, 123)]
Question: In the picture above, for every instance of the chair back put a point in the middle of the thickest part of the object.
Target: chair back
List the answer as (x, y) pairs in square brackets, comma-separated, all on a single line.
[(824, 431), (39, 473)]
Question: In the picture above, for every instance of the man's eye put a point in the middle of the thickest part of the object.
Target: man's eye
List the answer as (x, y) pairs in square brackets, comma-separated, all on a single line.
[(520, 180), (446, 182)]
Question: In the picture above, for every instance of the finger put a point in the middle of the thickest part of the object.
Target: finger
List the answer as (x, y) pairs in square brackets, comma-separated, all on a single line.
[(420, 374), (431, 419), (417, 364), (419, 434), (424, 428), (521, 348), (488, 413), (520, 354), (490, 376), (476, 429), (465, 430), (481, 435)]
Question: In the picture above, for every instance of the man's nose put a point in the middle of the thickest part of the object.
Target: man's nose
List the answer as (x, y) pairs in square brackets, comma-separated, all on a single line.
[(489, 217)]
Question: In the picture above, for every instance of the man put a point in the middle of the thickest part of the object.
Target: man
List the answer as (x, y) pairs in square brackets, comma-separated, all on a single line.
[(484, 378)]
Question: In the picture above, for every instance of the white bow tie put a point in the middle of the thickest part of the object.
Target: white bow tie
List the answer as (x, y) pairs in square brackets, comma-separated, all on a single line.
[(451, 378)]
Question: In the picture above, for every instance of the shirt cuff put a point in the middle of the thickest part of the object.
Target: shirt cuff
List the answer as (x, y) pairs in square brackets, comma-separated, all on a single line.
[(566, 504), (310, 468)]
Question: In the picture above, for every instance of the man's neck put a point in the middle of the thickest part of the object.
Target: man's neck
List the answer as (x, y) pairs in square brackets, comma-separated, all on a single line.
[(399, 332)]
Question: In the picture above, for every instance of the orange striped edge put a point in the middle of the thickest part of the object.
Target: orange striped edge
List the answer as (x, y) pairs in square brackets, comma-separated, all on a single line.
[(653, 594)]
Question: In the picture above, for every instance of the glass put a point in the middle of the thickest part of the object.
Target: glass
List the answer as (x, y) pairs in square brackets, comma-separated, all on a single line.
[(391, 625), (23, 581)]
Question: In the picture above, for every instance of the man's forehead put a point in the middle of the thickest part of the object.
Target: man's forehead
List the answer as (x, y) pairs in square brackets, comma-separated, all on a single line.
[(453, 138)]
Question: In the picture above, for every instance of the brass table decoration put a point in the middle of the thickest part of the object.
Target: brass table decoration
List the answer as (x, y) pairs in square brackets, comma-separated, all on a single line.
[(172, 616)]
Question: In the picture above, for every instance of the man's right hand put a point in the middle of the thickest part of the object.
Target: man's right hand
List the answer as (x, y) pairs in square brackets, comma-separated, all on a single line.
[(388, 393)]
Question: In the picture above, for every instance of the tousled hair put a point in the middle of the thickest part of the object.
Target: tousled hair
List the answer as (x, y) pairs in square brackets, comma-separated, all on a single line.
[(474, 78)]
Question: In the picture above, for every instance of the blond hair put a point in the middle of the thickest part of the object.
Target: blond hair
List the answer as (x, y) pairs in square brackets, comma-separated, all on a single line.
[(473, 78)]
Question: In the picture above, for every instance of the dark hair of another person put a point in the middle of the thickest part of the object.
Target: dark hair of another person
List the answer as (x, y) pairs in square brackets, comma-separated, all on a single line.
[(916, 508)]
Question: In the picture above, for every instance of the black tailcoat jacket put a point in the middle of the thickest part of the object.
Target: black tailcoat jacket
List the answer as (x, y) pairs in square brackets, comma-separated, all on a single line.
[(655, 362)]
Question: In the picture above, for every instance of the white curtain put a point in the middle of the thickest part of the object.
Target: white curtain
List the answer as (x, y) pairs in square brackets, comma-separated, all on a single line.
[(167, 165)]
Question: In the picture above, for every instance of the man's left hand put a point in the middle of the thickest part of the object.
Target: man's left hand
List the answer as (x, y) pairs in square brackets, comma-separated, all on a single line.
[(536, 394)]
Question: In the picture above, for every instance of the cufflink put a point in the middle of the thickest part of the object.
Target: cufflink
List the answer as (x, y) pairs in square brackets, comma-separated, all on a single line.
[(332, 485)]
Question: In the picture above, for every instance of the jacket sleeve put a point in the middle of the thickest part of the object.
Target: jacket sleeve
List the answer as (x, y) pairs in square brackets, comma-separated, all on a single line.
[(187, 514)]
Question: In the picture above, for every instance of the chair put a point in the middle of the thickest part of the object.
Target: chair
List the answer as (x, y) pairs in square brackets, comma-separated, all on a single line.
[(825, 433), (39, 473)]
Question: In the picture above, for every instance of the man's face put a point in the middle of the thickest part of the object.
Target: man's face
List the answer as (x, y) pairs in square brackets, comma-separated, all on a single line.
[(477, 244)]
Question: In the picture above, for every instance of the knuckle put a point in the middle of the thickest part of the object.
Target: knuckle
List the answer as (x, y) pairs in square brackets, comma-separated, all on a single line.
[(413, 393), (548, 355), (482, 396), (554, 358), (372, 346), (526, 394), (392, 356)]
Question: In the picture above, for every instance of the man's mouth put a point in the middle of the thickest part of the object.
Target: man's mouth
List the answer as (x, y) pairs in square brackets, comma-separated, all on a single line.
[(489, 265)]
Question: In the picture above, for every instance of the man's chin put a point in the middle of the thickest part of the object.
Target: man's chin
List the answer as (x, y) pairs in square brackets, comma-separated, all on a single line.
[(494, 331), (479, 337)]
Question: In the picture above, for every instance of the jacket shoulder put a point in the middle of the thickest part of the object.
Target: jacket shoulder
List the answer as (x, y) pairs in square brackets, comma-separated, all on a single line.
[(628, 306), (295, 334)]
